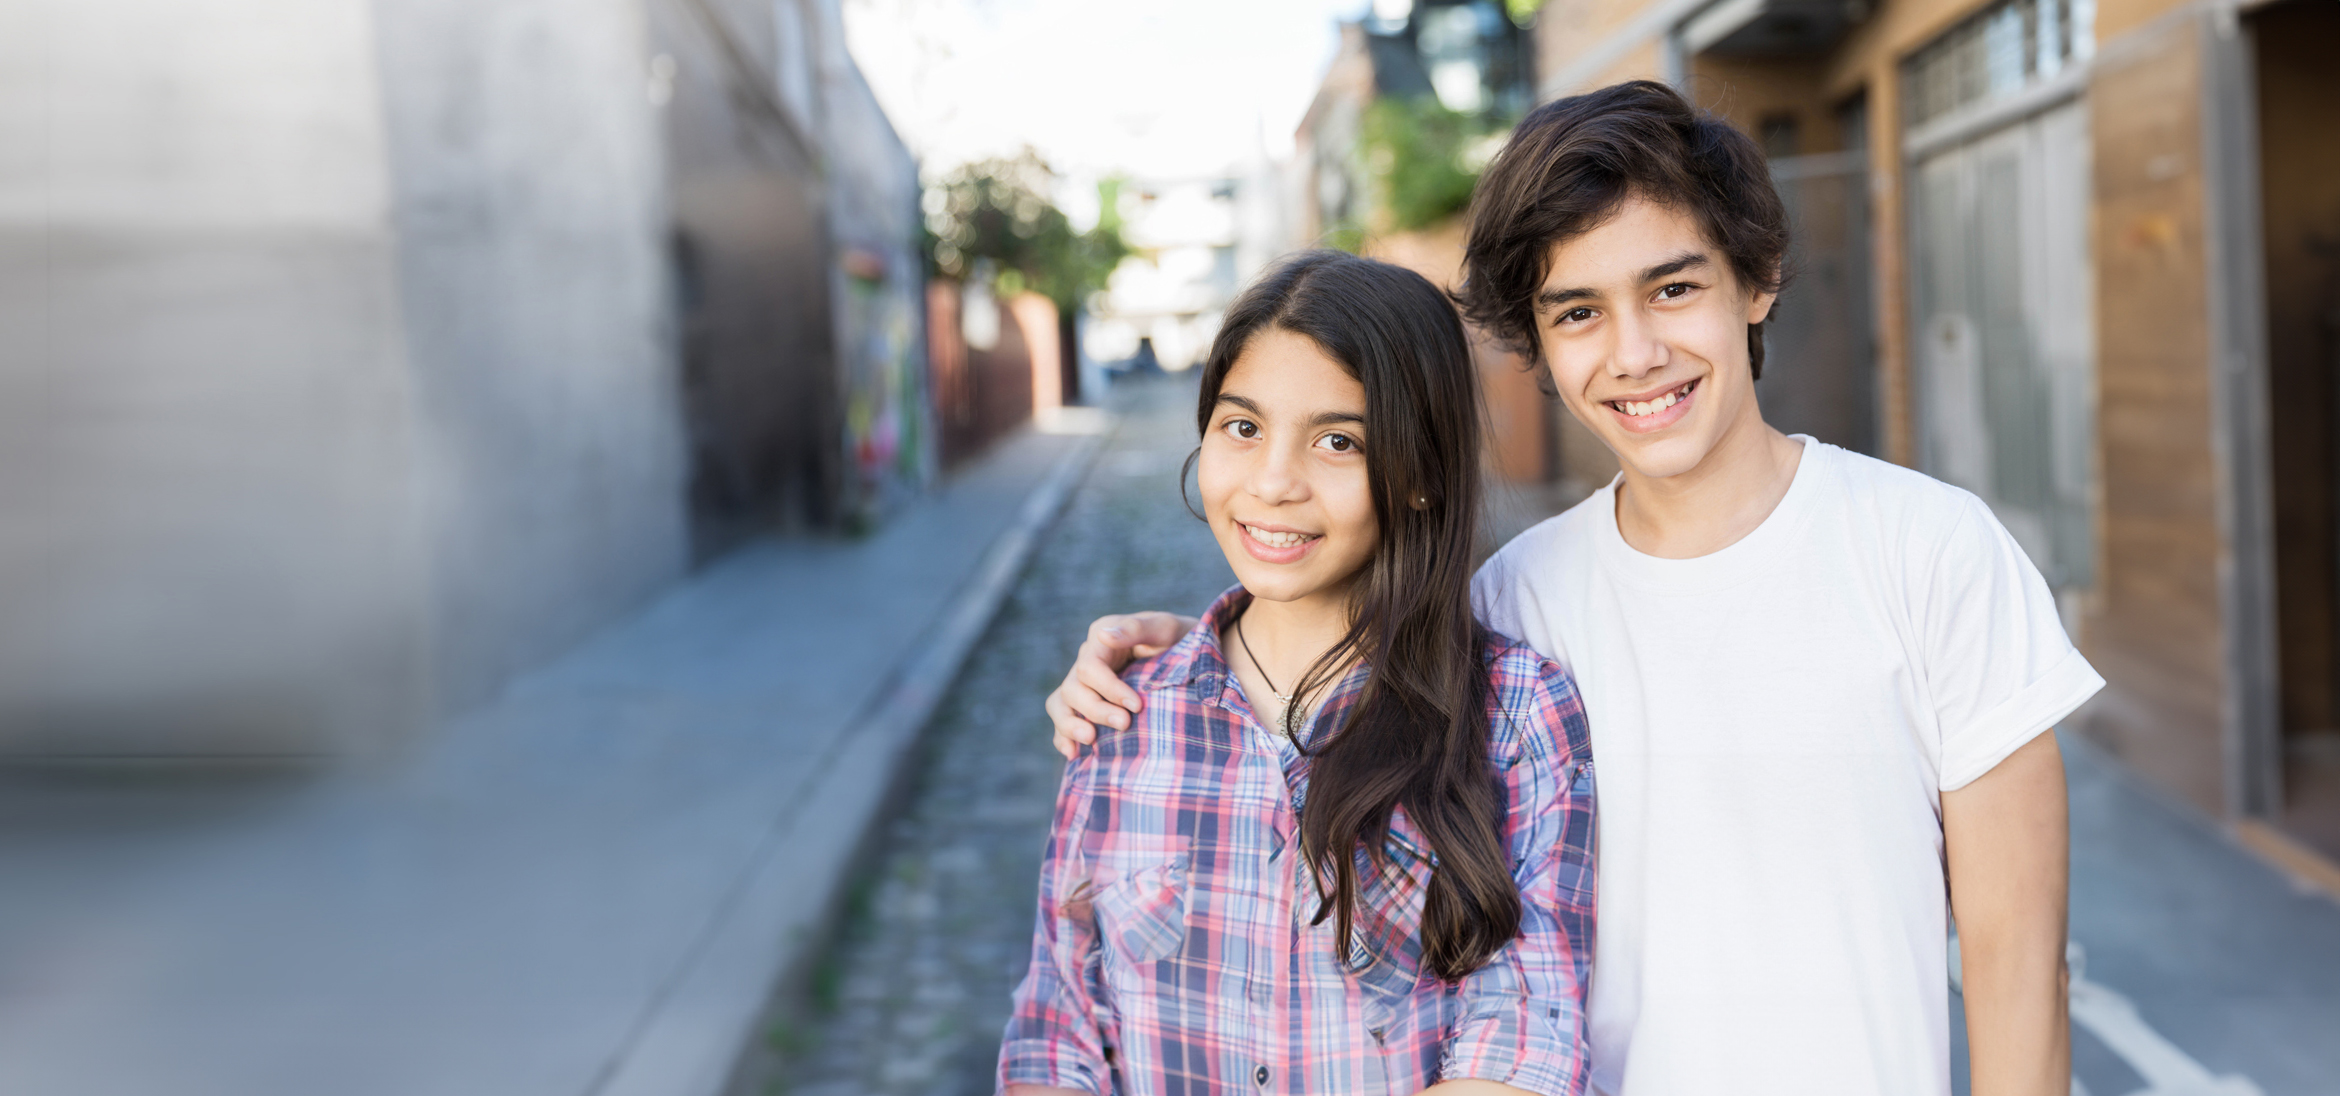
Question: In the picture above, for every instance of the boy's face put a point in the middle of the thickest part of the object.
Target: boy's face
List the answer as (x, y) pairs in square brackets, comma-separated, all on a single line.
[(1282, 471), (1645, 329)]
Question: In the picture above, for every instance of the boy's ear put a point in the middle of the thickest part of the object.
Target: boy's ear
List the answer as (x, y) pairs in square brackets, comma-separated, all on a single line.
[(1759, 307)]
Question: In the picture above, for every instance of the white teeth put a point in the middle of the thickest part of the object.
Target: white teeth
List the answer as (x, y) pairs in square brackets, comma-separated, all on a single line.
[(1639, 408), (1277, 540)]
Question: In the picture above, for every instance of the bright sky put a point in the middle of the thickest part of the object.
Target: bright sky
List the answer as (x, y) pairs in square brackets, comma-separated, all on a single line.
[(1139, 87)]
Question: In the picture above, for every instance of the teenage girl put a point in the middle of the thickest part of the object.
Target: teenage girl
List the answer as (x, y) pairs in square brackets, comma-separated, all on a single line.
[(1346, 847)]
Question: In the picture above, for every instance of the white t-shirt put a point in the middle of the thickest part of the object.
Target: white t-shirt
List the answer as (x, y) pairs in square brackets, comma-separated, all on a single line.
[(1773, 726)]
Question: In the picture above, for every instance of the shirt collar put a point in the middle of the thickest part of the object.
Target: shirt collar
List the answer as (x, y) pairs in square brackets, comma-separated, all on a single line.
[(1198, 663)]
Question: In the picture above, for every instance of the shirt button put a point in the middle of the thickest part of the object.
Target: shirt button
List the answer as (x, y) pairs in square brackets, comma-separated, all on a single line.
[(1260, 1075)]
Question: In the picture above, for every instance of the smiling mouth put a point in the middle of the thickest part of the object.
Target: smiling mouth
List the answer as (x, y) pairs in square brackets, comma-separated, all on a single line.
[(1278, 540), (1644, 408)]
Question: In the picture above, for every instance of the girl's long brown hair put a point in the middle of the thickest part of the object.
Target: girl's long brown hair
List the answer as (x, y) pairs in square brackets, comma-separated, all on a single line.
[(1417, 736)]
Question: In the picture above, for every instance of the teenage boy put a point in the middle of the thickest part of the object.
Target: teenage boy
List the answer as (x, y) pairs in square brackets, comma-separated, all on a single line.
[(1821, 686)]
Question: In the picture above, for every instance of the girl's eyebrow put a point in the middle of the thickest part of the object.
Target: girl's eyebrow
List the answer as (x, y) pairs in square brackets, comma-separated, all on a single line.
[(1321, 418)]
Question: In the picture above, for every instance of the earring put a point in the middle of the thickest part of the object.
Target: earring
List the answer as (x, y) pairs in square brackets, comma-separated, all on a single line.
[(1421, 501)]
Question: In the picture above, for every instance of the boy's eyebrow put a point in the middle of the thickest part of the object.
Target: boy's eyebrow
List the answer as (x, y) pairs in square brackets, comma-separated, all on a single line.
[(1679, 263), (1675, 265)]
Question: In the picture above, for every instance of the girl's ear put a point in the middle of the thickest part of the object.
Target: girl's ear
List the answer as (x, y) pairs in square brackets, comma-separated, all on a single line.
[(1421, 501)]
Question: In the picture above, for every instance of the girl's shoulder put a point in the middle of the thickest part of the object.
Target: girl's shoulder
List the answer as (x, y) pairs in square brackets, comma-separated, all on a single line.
[(1534, 709)]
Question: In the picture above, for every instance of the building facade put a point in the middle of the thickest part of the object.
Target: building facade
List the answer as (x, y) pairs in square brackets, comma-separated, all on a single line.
[(2077, 257), (341, 347)]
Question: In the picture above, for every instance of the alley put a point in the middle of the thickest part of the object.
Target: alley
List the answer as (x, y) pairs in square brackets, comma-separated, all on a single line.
[(912, 998), (2228, 965)]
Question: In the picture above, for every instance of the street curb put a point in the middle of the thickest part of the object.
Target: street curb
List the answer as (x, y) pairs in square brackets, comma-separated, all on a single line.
[(693, 1036)]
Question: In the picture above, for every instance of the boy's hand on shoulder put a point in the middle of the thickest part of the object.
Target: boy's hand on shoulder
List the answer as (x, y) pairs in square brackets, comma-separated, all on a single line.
[(1093, 692)]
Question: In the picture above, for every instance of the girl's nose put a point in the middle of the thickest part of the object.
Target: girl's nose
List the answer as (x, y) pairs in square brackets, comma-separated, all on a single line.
[(1276, 476)]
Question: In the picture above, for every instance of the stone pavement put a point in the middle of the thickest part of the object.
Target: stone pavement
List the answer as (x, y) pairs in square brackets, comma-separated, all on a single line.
[(584, 888), (913, 990)]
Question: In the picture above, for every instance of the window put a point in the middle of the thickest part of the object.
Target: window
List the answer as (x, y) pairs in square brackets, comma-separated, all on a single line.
[(1997, 52)]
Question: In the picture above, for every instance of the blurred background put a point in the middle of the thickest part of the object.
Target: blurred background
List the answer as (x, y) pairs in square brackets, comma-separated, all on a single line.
[(533, 534)]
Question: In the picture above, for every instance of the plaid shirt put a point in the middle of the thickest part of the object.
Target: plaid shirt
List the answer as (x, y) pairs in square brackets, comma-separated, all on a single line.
[(1174, 953)]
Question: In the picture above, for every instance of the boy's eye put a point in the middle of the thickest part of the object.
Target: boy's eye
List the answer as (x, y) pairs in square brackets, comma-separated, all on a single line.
[(1574, 315), (1338, 443), (1241, 428), (1675, 291)]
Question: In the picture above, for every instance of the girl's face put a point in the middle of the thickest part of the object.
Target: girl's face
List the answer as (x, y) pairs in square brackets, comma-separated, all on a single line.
[(1282, 471)]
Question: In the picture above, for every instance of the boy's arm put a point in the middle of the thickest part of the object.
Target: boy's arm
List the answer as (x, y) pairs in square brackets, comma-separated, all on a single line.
[(2008, 846), (1093, 691)]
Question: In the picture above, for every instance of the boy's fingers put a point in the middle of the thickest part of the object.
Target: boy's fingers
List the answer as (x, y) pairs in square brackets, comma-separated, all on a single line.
[(1060, 716), (1152, 633), (1111, 639), (1095, 710), (1095, 675)]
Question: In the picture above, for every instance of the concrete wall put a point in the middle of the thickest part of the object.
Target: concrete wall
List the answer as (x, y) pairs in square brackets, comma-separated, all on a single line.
[(211, 537), (877, 286), (332, 377), (531, 221), (752, 248), (799, 284)]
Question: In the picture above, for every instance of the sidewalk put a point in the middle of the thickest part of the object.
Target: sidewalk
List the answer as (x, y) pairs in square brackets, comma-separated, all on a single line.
[(583, 889), (2199, 969)]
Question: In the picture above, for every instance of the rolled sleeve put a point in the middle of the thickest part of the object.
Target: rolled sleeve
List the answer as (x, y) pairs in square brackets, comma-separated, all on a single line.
[(1052, 1039), (1523, 1014)]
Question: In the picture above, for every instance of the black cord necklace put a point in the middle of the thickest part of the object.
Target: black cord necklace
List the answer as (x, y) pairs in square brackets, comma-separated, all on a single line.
[(1281, 696)]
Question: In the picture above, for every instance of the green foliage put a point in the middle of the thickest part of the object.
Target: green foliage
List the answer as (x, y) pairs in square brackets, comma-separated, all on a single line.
[(999, 210), (1414, 149), (1346, 235)]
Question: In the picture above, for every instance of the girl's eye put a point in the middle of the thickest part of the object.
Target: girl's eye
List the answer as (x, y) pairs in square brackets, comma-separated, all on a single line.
[(1338, 443), (1241, 428)]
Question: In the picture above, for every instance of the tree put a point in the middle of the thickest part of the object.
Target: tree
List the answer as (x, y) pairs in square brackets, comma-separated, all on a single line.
[(999, 210), (1416, 151)]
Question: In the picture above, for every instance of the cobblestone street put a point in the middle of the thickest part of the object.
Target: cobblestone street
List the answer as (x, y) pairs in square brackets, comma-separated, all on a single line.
[(912, 997)]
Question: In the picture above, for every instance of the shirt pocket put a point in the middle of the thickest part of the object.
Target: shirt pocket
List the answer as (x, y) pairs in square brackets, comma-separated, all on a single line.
[(1138, 891)]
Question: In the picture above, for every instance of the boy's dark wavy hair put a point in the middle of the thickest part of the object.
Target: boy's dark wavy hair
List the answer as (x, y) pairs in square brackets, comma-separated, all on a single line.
[(1573, 161), (1417, 736)]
